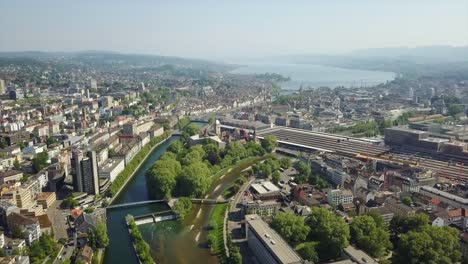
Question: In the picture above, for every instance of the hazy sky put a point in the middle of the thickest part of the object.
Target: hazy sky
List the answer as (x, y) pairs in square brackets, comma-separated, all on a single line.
[(230, 28)]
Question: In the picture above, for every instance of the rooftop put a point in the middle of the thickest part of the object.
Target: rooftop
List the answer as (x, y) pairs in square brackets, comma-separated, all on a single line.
[(265, 187), (445, 194), (272, 240), (359, 255)]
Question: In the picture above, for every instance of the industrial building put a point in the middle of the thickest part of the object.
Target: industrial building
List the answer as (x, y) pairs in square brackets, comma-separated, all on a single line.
[(314, 141), (421, 140), (448, 198)]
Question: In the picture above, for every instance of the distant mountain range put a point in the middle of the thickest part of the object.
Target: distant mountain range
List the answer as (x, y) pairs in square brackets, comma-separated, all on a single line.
[(418, 61), (408, 61), (110, 57)]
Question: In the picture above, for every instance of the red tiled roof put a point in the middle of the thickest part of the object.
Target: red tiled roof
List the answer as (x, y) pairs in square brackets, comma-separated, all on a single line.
[(455, 213), (435, 201)]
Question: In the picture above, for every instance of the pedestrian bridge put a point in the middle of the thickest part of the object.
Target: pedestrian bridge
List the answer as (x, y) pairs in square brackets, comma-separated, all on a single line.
[(134, 204), (171, 202)]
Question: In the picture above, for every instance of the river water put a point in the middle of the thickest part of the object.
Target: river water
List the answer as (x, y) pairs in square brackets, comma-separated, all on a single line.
[(170, 241), (120, 248)]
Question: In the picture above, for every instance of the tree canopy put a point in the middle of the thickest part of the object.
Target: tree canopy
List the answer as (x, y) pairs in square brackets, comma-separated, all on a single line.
[(290, 227), (276, 177), (303, 173), (331, 233), (182, 207), (308, 252), (194, 180), (40, 161), (370, 235), (191, 129), (269, 143), (431, 245)]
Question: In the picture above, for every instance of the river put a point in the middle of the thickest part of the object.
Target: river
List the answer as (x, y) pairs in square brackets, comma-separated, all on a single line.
[(170, 241)]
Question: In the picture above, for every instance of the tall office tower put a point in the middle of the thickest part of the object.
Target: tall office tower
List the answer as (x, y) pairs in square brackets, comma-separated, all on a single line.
[(2, 86), (141, 86), (90, 173), (93, 84), (410, 93), (77, 157), (432, 92), (85, 172)]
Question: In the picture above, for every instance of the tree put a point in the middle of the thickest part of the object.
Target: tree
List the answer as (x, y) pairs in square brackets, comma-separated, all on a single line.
[(269, 143), (331, 233), (236, 150), (212, 153), (48, 243), (455, 109), (182, 207), (70, 202), (170, 164), (16, 164), (112, 152), (183, 122), (369, 236), (176, 147), (303, 172), (290, 227), (36, 253), (100, 232), (285, 162), (40, 161), (194, 155), (161, 183), (194, 180), (407, 200), (431, 245), (254, 149), (264, 170), (276, 177), (235, 255), (191, 129), (212, 120), (414, 222), (51, 140), (308, 252)]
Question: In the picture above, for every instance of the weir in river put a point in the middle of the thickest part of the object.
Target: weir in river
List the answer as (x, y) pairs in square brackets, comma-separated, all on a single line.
[(171, 241)]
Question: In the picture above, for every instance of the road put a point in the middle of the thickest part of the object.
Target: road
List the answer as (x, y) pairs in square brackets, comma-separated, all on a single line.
[(65, 254), (235, 226), (58, 220)]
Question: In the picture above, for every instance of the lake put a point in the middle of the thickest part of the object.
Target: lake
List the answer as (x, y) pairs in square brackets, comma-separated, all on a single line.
[(314, 76)]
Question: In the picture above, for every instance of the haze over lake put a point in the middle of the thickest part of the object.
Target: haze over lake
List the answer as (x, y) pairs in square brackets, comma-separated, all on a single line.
[(309, 75)]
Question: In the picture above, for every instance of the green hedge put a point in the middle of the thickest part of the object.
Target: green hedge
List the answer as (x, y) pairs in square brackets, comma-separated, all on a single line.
[(133, 165), (142, 248)]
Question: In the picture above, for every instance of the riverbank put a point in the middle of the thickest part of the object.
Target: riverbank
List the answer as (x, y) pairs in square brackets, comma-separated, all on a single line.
[(131, 169), (142, 249), (216, 237)]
